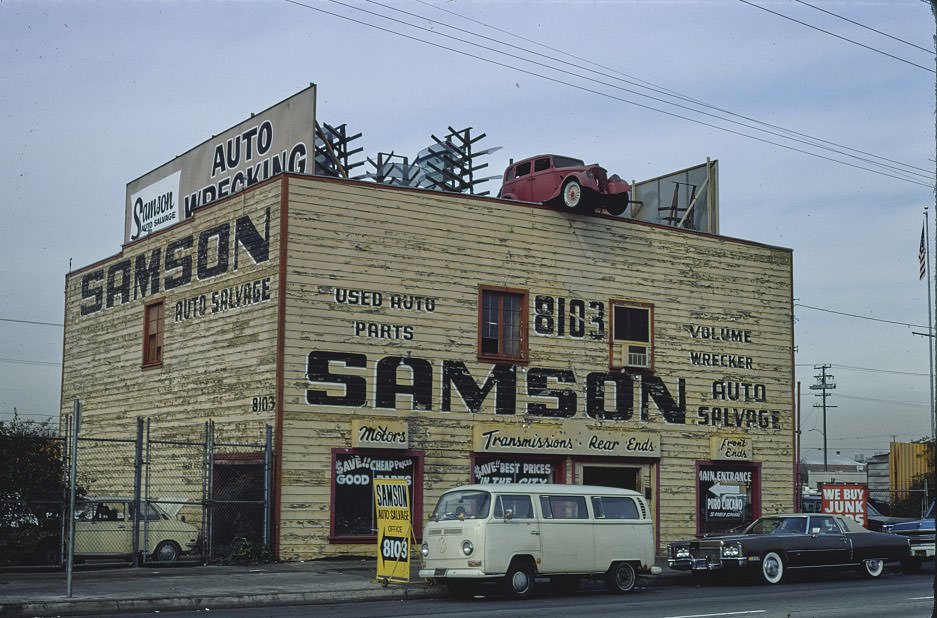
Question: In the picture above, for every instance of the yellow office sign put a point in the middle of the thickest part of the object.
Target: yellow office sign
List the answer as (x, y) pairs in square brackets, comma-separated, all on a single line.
[(392, 506)]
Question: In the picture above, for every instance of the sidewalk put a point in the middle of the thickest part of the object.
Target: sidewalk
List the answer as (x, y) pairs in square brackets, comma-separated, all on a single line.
[(148, 589)]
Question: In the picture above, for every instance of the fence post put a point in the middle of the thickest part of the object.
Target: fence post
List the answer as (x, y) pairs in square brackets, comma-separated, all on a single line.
[(210, 485), (137, 469), (76, 425), (268, 484)]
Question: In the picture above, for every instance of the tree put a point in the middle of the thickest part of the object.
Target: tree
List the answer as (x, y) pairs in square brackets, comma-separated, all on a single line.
[(32, 492), (32, 470)]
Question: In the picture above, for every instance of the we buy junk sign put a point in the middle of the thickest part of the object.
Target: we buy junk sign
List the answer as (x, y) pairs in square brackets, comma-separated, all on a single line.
[(845, 499)]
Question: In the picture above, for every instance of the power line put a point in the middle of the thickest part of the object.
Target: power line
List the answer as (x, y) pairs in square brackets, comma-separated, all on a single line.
[(894, 38), (641, 83), (18, 361), (907, 404), (863, 45), (869, 369), (516, 68), (861, 317), (31, 322)]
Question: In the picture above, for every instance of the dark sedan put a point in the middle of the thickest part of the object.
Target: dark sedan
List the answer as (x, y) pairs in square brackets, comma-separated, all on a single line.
[(773, 544)]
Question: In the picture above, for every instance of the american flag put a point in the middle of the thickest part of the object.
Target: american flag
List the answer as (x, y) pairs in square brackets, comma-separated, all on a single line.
[(922, 254)]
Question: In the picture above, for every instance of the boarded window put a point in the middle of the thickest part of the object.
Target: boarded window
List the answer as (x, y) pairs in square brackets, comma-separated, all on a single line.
[(353, 489), (153, 334), (632, 323)]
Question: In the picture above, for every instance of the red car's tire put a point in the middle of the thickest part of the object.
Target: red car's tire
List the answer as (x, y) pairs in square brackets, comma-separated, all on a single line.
[(571, 194)]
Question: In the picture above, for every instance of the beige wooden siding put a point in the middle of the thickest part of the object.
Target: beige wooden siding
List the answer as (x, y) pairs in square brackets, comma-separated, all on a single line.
[(364, 237), (213, 364)]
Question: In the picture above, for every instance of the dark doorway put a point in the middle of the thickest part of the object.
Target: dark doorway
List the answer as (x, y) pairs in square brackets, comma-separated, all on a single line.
[(626, 478), (238, 503)]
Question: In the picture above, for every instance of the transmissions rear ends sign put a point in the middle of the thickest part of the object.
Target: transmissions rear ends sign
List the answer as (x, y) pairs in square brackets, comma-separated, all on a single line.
[(279, 139)]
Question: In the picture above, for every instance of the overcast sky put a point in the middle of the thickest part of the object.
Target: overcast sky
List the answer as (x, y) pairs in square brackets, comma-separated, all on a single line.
[(95, 94)]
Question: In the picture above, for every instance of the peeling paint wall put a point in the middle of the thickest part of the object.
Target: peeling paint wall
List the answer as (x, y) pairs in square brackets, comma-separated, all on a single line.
[(721, 325)]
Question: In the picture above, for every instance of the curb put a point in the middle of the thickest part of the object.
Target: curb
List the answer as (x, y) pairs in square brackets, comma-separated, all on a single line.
[(89, 607)]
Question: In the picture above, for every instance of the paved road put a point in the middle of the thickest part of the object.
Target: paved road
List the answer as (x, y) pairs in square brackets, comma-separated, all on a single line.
[(841, 595)]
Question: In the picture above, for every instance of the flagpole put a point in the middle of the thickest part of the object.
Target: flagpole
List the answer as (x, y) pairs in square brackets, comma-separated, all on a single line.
[(930, 329)]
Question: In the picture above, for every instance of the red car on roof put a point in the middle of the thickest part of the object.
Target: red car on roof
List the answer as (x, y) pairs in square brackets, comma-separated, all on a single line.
[(565, 182)]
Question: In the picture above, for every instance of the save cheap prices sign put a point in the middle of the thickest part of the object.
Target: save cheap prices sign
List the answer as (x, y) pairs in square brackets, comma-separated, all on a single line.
[(845, 499), (392, 506)]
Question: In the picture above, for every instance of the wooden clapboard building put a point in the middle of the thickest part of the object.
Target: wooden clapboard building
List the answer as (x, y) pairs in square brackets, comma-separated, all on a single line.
[(437, 337), (444, 338)]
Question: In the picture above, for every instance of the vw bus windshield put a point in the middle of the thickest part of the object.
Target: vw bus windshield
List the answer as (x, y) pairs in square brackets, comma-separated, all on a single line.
[(471, 504)]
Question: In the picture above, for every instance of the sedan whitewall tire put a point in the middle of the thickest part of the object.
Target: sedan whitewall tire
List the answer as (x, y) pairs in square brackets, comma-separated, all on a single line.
[(873, 567), (772, 568)]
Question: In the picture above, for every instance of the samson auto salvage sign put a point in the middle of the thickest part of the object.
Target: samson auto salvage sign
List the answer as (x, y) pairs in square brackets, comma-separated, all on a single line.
[(280, 139)]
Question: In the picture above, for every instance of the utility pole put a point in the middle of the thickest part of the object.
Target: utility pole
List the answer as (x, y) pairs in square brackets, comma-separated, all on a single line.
[(823, 385), (933, 8)]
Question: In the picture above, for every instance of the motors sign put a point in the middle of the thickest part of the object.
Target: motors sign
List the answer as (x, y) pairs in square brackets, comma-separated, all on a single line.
[(279, 139)]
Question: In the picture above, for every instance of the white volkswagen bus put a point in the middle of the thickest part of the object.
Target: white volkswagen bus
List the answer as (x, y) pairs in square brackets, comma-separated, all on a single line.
[(512, 533)]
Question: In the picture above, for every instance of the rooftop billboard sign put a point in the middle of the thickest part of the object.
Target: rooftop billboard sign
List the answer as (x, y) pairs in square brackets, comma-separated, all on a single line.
[(687, 199), (279, 139)]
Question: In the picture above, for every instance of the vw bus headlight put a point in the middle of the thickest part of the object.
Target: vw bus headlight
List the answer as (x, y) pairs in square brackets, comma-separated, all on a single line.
[(731, 551), (424, 549), (467, 548)]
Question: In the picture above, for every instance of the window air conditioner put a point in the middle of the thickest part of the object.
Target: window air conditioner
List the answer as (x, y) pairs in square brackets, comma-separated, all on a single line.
[(631, 355)]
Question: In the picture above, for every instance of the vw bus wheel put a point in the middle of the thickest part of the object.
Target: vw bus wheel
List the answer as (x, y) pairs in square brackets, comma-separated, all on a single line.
[(772, 568), (519, 580), (167, 551), (621, 577), (572, 194), (873, 568)]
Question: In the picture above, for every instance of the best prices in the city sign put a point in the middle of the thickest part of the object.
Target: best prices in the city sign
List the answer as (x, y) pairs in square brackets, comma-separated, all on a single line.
[(846, 499), (392, 507)]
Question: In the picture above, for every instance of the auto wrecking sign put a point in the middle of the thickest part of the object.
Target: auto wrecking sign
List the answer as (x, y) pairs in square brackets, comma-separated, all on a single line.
[(280, 139)]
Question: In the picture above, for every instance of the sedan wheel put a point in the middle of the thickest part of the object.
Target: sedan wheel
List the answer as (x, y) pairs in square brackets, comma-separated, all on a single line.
[(167, 551), (772, 568), (572, 194), (873, 568)]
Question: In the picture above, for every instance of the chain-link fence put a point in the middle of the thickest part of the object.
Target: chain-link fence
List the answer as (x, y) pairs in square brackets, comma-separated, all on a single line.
[(142, 500)]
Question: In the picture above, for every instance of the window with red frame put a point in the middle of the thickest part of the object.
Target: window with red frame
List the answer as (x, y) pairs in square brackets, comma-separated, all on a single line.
[(502, 326), (354, 471), (153, 334)]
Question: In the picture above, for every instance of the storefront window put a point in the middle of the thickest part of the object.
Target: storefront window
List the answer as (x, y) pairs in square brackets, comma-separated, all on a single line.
[(515, 470), (353, 517), (728, 495)]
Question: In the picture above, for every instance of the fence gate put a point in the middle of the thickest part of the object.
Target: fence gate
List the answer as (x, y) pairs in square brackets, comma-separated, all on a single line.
[(146, 501)]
